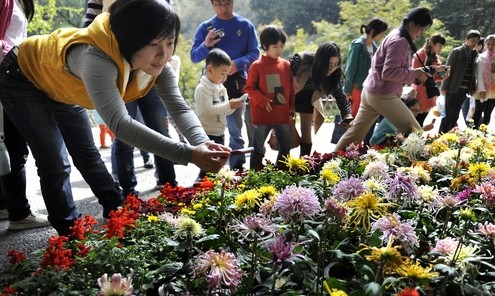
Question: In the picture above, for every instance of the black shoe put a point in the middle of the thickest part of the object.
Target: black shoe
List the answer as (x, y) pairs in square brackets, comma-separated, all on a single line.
[(148, 164)]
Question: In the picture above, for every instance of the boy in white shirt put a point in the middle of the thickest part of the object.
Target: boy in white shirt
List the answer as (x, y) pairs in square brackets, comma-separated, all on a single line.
[(212, 101)]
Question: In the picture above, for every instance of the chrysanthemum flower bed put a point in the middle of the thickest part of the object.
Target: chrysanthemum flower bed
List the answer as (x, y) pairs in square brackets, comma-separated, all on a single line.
[(413, 219)]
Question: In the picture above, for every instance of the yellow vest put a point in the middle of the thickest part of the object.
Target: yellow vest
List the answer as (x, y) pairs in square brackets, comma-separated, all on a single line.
[(42, 59)]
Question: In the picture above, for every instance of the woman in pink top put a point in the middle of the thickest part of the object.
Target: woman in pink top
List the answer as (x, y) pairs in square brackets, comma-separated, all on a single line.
[(429, 56), (390, 70)]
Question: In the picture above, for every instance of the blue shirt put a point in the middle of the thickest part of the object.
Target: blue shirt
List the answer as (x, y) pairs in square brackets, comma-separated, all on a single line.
[(239, 42)]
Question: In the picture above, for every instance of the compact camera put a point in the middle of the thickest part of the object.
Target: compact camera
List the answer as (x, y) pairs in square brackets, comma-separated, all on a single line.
[(430, 85), (219, 32)]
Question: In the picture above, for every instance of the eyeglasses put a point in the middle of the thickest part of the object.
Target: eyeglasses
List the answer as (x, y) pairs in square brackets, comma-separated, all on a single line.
[(221, 2)]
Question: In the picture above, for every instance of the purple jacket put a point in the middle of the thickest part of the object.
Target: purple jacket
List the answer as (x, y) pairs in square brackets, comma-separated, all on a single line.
[(390, 66)]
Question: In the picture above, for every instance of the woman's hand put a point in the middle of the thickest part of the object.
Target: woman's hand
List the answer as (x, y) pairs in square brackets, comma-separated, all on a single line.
[(421, 75), (210, 157)]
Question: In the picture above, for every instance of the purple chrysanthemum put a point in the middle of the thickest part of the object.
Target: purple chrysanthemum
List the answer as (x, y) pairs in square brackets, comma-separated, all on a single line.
[(464, 194), (401, 231), (295, 203), (254, 226), (282, 251), (403, 184), (348, 189), (221, 270)]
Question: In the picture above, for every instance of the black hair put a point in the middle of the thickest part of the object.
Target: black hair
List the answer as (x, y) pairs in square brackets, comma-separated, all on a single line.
[(473, 34), (217, 57), (271, 35), (136, 23), (411, 102), (319, 70), (376, 25), (420, 16), (28, 7)]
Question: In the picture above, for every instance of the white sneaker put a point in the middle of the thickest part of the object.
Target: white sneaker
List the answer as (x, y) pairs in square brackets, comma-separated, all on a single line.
[(4, 215), (34, 220)]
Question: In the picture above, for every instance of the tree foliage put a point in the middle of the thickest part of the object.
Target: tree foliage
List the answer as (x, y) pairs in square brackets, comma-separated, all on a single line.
[(460, 16), (295, 14)]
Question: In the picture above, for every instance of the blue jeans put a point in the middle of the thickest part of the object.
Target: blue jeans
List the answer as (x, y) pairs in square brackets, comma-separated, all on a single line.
[(260, 133), (234, 125), (218, 140), (151, 107), (53, 129)]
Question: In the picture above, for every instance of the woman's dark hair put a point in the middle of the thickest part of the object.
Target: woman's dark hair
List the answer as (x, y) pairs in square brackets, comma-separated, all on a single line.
[(431, 57), (217, 57), (271, 35), (136, 23), (411, 102), (319, 70), (376, 25), (420, 16), (28, 7)]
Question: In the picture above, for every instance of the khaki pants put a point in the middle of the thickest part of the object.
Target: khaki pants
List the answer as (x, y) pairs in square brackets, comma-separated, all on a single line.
[(390, 106)]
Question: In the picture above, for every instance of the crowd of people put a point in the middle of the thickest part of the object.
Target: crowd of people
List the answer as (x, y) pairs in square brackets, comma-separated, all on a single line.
[(121, 65)]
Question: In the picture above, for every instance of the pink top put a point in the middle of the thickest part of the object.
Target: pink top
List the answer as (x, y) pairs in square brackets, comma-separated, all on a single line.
[(390, 66)]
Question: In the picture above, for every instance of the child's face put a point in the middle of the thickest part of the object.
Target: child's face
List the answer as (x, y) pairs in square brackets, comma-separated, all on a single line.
[(217, 74), (275, 50)]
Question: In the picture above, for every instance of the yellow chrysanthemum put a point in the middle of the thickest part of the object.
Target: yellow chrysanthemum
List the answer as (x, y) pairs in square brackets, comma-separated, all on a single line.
[(248, 199), (415, 271), (478, 143), (459, 182), (152, 218), (365, 207), (188, 226), (449, 137), (427, 193), (267, 191), (188, 212), (330, 176), (333, 291), (438, 147), (483, 128), (479, 169), (197, 206), (295, 164), (389, 257)]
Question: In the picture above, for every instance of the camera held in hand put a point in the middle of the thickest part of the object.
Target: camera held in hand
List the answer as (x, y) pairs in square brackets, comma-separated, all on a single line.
[(430, 85), (218, 32)]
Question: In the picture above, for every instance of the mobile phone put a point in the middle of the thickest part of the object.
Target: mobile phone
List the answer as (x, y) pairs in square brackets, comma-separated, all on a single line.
[(242, 151), (347, 120)]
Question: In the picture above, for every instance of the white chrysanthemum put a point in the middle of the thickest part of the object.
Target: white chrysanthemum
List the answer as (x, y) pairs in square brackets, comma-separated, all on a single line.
[(413, 146), (390, 157), (418, 173), (427, 193), (373, 155), (376, 185), (440, 163), (335, 165), (377, 169), (226, 174)]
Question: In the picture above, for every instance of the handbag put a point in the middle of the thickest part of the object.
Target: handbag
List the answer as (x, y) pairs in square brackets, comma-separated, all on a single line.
[(4, 154), (338, 130), (295, 138)]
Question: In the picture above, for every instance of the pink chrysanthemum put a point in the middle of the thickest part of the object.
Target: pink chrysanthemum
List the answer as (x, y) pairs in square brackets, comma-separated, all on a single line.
[(295, 203), (116, 286), (334, 208), (282, 251), (446, 246), (487, 229), (348, 189), (487, 191), (221, 270)]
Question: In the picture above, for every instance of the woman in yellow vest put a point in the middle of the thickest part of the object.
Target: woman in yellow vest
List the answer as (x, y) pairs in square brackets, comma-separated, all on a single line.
[(117, 59)]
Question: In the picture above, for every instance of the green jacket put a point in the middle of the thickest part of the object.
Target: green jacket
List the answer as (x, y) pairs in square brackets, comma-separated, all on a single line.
[(358, 64)]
